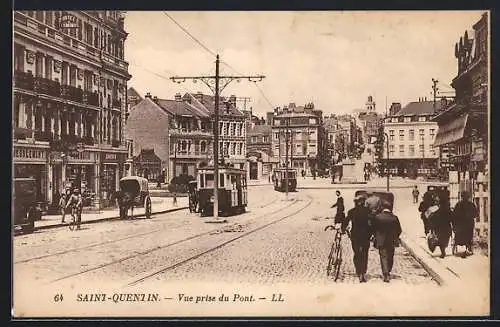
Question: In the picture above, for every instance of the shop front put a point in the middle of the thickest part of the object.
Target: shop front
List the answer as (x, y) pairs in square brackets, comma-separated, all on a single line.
[(111, 172), (32, 163)]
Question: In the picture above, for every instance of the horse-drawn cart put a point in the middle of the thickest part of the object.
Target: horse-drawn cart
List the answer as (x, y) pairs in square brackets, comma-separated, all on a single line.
[(134, 192)]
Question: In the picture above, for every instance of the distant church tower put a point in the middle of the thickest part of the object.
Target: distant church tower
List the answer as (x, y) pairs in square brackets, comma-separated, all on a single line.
[(370, 104)]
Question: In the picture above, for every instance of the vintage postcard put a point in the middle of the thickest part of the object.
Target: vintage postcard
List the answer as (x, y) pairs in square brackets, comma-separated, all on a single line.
[(243, 164)]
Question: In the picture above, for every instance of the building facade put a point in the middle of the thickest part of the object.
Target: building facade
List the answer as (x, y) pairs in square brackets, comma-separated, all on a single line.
[(259, 151), (148, 165), (304, 130), (70, 80), (463, 124), (411, 134)]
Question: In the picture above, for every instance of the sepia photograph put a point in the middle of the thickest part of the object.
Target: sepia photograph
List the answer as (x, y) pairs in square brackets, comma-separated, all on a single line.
[(250, 164)]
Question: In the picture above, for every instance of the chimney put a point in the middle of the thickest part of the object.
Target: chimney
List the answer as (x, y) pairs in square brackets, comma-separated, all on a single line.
[(269, 118), (178, 97), (155, 99), (285, 109), (148, 95)]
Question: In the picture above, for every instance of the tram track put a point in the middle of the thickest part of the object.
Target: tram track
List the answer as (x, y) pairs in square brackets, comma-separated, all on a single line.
[(150, 275), (115, 241), (150, 250)]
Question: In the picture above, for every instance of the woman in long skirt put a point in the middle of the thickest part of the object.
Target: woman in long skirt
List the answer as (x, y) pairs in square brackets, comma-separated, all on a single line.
[(441, 224)]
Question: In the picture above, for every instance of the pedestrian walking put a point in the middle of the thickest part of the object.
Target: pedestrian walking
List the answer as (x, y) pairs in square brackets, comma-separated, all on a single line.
[(415, 194), (440, 222), (464, 215), (340, 215), (427, 202), (174, 200), (62, 207), (360, 220), (386, 232)]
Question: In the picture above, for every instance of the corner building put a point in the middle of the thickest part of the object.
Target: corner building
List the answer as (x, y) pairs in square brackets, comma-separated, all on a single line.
[(69, 98)]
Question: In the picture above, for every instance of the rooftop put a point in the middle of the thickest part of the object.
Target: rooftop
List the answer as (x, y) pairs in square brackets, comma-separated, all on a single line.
[(419, 108)]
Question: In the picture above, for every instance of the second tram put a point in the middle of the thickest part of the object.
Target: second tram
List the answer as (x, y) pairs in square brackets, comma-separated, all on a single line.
[(280, 179)]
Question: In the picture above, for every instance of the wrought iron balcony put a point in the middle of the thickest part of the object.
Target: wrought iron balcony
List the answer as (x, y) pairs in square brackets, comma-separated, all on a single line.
[(47, 86), (23, 80), (72, 93), (91, 98)]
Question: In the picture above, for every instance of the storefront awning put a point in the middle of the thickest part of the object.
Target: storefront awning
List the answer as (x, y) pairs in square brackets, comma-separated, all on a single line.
[(451, 132)]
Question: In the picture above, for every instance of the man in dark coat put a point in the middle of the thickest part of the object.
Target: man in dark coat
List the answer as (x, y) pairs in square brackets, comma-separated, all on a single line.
[(359, 216), (464, 214), (440, 222), (386, 229), (427, 202), (340, 215)]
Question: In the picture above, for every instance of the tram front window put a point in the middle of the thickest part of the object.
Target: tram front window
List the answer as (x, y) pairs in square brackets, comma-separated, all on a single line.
[(209, 180), (291, 175)]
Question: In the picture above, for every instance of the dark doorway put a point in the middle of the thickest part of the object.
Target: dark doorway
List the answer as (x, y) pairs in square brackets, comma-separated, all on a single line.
[(254, 171)]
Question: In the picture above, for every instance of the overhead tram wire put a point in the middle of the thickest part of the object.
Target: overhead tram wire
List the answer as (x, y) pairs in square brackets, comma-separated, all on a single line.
[(187, 32), (255, 83)]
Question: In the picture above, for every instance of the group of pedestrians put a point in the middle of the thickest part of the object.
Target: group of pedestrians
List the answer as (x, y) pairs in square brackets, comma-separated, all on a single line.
[(71, 200), (371, 220), (440, 221)]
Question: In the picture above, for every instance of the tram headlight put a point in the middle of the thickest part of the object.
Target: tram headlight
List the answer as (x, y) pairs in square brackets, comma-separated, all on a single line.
[(212, 199)]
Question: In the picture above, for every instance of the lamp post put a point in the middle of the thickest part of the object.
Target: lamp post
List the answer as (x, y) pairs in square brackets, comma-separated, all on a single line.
[(387, 151)]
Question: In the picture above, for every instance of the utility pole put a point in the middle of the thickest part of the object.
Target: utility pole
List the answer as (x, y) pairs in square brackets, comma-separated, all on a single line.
[(209, 81), (387, 166), (435, 89)]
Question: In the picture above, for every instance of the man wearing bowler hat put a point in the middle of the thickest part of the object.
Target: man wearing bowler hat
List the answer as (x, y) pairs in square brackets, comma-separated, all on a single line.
[(359, 216), (386, 229)]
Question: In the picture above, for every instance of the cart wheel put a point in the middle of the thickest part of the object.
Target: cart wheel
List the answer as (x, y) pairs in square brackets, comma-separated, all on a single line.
[(147, 207)]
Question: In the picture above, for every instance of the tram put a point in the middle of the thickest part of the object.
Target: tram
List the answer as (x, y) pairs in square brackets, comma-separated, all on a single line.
[(232, 191), (280, 178)]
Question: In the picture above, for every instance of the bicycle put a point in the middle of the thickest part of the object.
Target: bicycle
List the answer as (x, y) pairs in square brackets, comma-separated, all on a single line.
[(335, 256), (74, 214)]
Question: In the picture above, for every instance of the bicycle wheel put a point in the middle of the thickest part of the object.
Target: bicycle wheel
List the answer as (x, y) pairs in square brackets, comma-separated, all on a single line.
[(72, 223), (331, 259), (338, 262)]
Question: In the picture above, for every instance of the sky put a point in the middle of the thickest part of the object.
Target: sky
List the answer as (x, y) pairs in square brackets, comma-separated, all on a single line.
[(333, 59)]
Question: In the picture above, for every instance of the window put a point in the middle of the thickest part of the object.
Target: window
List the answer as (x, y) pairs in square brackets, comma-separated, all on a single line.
[(312, 121), (421, 118), (431, 132), (88, 33), (254, 139), (221, 125), (421, 132), (407, 119), (39, 65), (203, 146), (226, 129), (18, 57), (421, 147), (80, 30), (411, 135), (394, 120), (265, 139), (401, 150), (401, 135), (433, 150), (39, 15), (276, 135), (48, 67), (391, 149), (72, 75), (412, 150), (48, 18), (391, 135)]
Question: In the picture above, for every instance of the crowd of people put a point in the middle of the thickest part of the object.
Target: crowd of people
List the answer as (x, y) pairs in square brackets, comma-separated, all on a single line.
[(441, 222), (371, 220)]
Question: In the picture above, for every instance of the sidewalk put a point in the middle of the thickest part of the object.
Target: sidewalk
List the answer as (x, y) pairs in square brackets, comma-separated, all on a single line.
[(159, 205), (453, 269)]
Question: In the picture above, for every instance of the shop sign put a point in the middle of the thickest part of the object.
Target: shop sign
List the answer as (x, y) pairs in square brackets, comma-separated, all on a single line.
[(111, 157), (68, 21), (86, 156), (23, 153)]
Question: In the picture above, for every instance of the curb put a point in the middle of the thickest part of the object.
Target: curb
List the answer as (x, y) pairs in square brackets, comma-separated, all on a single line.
[(437, 276), (350, 186), (110, 218)]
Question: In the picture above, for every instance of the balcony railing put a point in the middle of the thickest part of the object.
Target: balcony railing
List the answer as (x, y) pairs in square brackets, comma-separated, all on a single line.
[(91, 98), (47, 86), (71, 93), (117, 104), (24, 80)]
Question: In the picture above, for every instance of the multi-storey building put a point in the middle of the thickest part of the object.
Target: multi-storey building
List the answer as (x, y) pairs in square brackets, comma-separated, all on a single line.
[(259, 150), (411, 134), (306, 137), (70, 81), (133, 98), (181, 132), (463, 124)]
